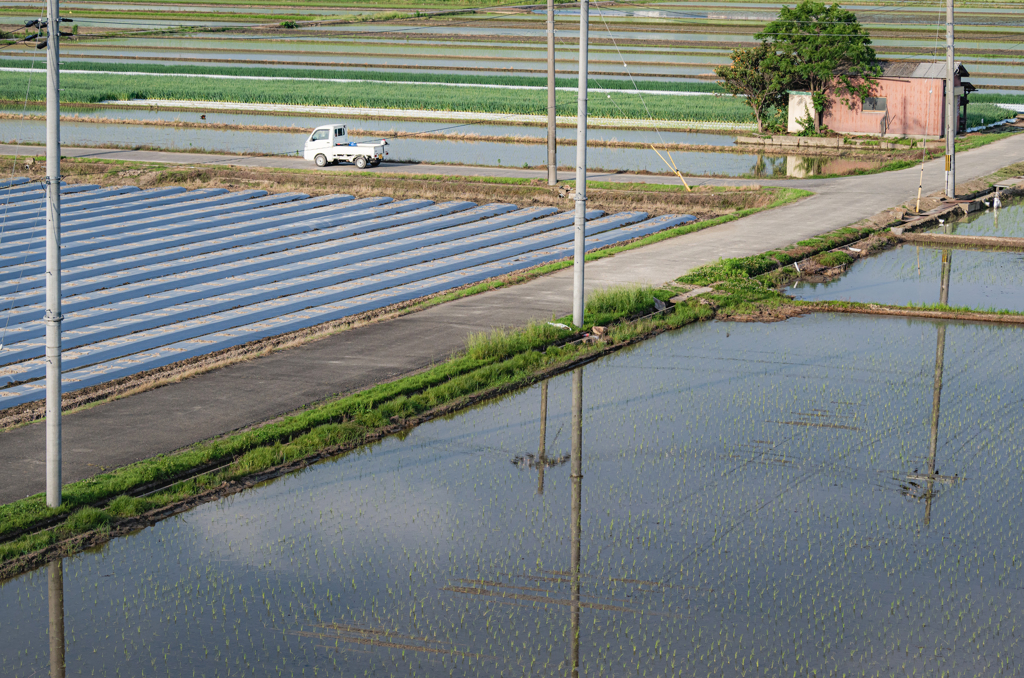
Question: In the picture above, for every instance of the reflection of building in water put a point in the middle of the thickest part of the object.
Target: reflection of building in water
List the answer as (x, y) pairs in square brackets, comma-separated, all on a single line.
[(55, 585), (800, 166)]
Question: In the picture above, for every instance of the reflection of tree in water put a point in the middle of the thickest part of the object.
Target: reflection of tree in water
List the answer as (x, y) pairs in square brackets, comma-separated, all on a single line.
[(769, 166)]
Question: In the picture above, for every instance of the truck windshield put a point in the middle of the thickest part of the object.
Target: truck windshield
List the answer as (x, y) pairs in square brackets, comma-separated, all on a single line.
[(319, 135)]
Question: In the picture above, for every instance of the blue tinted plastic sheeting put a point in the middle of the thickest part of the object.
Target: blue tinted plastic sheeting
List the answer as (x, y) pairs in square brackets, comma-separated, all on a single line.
[(158, 292), (157, 276), (19, 194), (355, 262), (239, 202), (236, 260), (123, 270), (77, 270), (69, 195), (138, 332), (22, 220), (146, 205), (10, 183), (226, 338), (142, 240)]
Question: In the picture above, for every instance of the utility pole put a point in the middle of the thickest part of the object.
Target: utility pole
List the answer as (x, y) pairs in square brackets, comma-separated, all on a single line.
[(552, 126), (53, 315), (951, 107), (581, 170)]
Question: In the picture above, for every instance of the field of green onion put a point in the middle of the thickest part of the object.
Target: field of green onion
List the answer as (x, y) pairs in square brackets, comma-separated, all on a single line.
[(754, 502), (95, 88)]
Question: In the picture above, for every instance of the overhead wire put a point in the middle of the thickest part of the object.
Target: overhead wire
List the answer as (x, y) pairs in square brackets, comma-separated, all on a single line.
[(672, 166)]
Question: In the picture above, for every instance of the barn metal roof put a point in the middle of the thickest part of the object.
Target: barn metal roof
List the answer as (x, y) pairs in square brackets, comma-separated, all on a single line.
[(920, 69)]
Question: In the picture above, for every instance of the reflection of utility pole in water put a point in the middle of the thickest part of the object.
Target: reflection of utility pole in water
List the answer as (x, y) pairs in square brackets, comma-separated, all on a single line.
[(542, 452), (541, 460), (56, 595), (577, 482), (933, 440)]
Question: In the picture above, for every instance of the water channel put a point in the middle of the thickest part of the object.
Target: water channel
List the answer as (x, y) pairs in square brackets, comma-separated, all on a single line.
[(417, 149)]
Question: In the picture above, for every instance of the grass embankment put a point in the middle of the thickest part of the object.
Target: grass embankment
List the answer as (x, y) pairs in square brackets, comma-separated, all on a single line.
[(94, 88), (492, 364), (390, 76)]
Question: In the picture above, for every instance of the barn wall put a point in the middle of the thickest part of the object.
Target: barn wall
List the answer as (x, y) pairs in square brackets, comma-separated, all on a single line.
[(912, 109), (800, 105)]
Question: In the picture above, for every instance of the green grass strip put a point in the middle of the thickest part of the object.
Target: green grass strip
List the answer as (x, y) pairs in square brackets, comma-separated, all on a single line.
[(492, 361)]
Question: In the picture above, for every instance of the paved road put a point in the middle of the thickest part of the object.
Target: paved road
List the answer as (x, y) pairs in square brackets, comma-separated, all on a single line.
[(285, 162), (174, 416)]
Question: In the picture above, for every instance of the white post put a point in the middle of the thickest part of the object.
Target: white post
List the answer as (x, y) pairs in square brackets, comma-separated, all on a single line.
[(951, 106), (581, 170), (52, 315), (552, 127)]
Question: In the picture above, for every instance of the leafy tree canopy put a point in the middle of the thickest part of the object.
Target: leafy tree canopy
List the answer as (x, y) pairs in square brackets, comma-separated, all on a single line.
[(755, 73), (823, 49)]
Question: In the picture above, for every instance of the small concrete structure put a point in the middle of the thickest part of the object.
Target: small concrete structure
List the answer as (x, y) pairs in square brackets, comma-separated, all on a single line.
[(908, 100)]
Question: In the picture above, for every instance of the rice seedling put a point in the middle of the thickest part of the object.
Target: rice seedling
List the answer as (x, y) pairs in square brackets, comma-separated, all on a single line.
[(753, 502)]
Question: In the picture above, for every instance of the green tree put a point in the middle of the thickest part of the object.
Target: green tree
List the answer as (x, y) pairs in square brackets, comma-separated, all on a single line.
[(756, 73), (824, 50)]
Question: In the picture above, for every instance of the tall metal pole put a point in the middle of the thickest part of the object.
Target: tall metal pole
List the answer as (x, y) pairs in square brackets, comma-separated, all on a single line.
[(581, 170), (53, 315), (951, 107), (577, 522), (552, 127)]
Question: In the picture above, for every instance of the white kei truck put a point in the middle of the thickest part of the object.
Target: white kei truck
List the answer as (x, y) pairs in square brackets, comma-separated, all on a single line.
[(329, 144)]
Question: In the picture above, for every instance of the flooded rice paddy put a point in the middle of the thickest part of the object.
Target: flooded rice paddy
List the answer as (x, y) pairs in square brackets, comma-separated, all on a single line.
[(918, 274), (413, 149), (745, 500), (1006, 222), (912, 274)]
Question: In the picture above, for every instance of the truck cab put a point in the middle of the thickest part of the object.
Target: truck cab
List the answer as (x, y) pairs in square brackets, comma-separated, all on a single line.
[(329, 144)]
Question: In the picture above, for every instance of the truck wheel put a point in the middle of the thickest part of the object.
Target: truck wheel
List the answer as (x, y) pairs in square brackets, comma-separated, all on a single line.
[(320, 160), (361, 162), (375, 162)]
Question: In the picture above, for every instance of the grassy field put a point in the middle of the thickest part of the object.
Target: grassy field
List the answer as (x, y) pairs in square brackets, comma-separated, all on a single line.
[(88, 88)]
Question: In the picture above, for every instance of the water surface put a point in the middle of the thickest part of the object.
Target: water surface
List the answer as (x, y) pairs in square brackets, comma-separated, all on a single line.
[(911, 274), (752, 501)]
